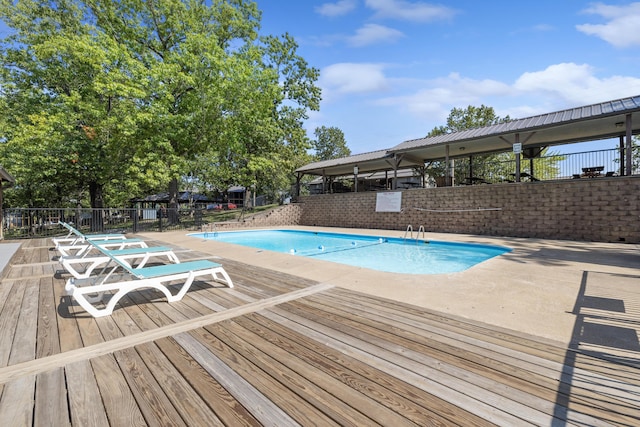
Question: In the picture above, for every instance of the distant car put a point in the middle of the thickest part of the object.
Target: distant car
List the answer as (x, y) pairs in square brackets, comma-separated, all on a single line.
[(221, 206)]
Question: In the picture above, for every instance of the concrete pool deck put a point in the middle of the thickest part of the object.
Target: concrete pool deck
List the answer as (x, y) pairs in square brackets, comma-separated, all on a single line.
[(562, 290)]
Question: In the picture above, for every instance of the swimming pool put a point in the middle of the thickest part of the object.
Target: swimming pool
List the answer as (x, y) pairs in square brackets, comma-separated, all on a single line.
[(395, 255)]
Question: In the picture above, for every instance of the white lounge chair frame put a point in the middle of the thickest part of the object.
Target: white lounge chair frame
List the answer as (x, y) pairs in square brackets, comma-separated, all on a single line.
[(87, 245), (88, 292), (81, 267), (75, 236)]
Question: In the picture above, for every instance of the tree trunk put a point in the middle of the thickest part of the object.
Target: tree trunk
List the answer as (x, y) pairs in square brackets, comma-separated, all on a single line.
[(97, 205), (172, 215)]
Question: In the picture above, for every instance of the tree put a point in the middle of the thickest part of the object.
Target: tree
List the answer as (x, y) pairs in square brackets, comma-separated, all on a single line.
[(136, 91), (471, 117), (330, 143), (59, 79)]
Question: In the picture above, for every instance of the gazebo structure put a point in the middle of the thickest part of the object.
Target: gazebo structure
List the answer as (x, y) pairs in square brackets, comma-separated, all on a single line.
[(525, 137), (6, 180)]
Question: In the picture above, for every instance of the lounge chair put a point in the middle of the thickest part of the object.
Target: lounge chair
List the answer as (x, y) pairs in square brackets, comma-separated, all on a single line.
[(84, 247), (82, 266), (75, 236), (90, 291)]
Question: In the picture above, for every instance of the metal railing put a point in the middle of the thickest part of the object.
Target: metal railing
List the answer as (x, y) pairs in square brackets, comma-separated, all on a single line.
[(21, 223), (544, 168)]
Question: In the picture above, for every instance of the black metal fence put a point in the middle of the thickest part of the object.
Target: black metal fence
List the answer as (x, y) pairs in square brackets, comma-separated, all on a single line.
[(571, 166), (23, 223), (544, 168)]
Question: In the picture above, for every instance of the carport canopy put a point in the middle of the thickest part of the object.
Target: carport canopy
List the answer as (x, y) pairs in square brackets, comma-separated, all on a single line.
[(617, 118)]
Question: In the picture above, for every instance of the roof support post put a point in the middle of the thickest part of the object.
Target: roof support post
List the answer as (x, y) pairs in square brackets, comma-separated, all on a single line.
[(622, 156), (628, 151), (324, 182), (396, 162), (355, 178), (447, 170), (298, 179), (517, 159)]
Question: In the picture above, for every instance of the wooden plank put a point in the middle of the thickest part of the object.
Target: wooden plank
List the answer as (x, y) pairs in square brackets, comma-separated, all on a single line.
[(410, 371), (85, 402), (16, 404), (519, 341), (535, 348), (259, 405), (51, 405), (249, 362), (120, 406), (18, 396), (68, 332), (485, 385), (342, 404), (226, 407), (9, 318), (48, 342), (524, 370), (51, 392), (149, 395), (409, 401), (193, 410)]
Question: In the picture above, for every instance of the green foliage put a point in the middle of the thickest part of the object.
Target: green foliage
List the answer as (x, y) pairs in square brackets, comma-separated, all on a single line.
[(124, 98), (330, 144), (471, 117)]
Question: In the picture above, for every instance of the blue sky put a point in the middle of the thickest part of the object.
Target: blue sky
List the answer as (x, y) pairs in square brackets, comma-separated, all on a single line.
[(392, 70)]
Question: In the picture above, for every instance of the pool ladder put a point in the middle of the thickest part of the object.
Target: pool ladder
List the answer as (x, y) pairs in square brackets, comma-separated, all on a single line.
[(212, 230), (410, 232)]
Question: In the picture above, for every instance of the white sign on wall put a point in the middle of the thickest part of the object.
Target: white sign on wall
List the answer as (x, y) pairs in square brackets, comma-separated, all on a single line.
[(389, 201)]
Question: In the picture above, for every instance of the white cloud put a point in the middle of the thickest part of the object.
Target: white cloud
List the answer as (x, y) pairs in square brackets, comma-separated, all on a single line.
[(338, 8), (410, 11), (374, 33), (440, 95), (621, 28), (559, 86), (576, 84), (351, 78)]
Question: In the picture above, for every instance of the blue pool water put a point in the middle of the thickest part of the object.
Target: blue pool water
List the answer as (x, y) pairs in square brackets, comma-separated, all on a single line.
[(394, 255)]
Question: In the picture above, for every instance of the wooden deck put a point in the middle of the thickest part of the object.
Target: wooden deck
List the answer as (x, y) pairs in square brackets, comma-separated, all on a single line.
[(278, 350)]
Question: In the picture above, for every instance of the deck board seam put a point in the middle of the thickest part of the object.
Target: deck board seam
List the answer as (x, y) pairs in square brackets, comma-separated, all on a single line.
[(37, 366)]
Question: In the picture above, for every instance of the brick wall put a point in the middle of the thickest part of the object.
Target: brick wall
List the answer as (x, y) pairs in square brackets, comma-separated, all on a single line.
[(278, 217), (599, 209)]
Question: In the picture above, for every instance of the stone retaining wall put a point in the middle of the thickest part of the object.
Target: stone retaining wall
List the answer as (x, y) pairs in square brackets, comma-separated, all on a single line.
[(598, 209)]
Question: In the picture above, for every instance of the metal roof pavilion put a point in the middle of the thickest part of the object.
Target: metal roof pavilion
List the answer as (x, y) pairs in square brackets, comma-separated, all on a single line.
[(617, 118)]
